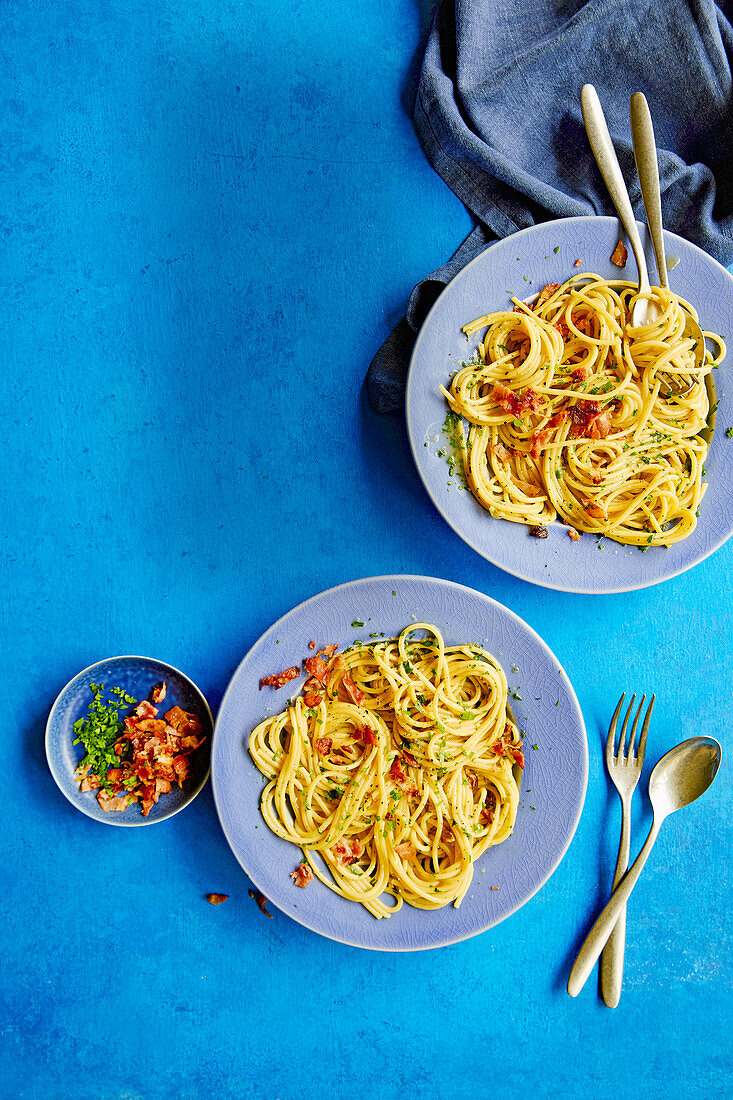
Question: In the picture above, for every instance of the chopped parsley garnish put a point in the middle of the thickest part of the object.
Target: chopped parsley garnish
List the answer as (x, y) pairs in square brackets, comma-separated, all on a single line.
[(101, 729), (357, 622)]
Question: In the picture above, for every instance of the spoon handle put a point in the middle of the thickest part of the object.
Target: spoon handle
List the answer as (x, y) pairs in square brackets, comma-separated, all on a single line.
[(645, 155), (605, 922), (612, 959), (607, 161)]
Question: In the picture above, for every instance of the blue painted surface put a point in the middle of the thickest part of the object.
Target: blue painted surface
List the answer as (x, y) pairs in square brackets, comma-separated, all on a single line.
[(212, 215)]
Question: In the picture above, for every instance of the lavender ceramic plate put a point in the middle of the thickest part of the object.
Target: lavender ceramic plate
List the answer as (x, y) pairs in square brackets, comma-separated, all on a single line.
[(553, 787), (521, 265)]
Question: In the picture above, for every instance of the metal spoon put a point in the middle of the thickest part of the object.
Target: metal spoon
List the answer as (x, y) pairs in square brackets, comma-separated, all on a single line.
[(678, 779), (645, 155), (600, 142), (644, 311)]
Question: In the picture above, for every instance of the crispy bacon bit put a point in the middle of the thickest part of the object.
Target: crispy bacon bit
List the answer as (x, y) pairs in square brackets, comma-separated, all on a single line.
[(487, 814), (316, 668), (591, 417), (311, 645), (366, 734), (216, 899), (601, 426), (540, 437), (573, 534), (312, 699), (538, 532), (279, 679), (563, 329), (346, 852), (112, 803), (619, 256), (158, 693), (145, 710), (261, 901), (506, 747), (406, 849), (409, 758), (90, 783), (594, 510), (472, 779), (578, 263), (398, 776), (302, 875), (502, 453), (322, 745), (338, 662), (545, 294), (580, 374), (513, 402), (356, 694)]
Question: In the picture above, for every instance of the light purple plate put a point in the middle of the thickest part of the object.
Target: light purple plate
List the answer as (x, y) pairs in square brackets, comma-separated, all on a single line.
[(521, 265), (553, 786)]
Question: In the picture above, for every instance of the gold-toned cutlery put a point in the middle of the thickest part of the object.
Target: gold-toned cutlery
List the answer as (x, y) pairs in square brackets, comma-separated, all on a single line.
[(624, 764), (678, 779)]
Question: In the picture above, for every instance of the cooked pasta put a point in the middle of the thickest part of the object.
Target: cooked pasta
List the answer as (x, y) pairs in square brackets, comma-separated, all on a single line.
[(402, 772), (568, 413)]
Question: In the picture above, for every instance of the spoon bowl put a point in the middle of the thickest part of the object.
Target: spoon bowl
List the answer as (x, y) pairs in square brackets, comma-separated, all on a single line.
[(685, 773)]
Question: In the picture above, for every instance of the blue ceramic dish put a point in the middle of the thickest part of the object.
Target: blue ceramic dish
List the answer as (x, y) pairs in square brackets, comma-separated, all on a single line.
[(553, 787), (521, 265), (136, 675)]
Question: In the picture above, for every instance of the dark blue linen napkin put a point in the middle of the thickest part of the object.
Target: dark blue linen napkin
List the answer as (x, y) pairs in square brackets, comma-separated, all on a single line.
[(498, 114)]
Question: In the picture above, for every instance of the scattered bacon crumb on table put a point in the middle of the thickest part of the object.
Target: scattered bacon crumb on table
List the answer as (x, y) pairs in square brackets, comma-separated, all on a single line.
[(216, 899), (261, 901)]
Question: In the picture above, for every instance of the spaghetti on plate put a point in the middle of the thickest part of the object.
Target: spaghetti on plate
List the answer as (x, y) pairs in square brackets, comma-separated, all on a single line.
[(569, 413), (394, 770)]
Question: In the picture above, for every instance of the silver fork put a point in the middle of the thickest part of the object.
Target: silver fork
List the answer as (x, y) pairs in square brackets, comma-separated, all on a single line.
[(624, 768)]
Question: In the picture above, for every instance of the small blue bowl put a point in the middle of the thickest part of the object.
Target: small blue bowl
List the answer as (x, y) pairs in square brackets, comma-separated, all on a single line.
[(136, 676)]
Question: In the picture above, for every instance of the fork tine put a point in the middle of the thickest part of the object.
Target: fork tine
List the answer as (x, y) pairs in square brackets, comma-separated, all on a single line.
[(611, 739), (622, 738), (641, 751), (629, 754)]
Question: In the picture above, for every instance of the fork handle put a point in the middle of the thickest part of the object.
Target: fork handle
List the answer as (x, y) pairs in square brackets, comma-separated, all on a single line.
[(612, 959), (645, 154)]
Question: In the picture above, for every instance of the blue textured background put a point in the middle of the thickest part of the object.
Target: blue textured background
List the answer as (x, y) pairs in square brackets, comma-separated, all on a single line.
[(211, 215)]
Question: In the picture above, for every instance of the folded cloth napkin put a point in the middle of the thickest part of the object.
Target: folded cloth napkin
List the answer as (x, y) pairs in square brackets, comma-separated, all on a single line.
[(498, 114)]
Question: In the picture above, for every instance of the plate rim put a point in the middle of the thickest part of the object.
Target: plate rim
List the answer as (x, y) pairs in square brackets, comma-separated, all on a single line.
[(471, 542), (48, 739), (575, 707)]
